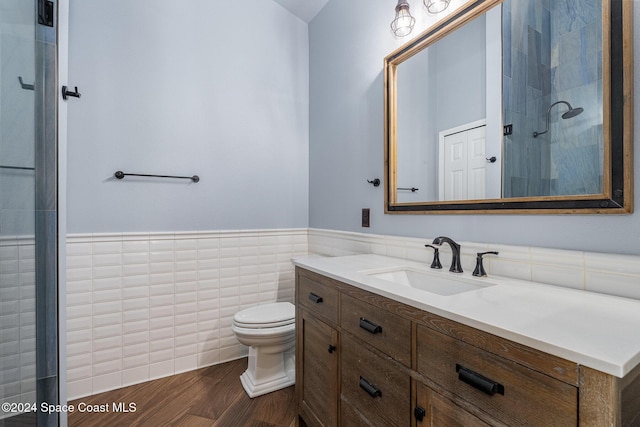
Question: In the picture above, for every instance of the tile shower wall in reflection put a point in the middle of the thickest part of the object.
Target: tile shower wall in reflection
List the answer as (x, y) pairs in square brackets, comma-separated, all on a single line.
[(552, 51), (148, 305)]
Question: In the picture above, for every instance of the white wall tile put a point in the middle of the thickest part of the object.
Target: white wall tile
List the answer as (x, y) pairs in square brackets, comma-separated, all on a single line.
[(147, 305), (184, 364), (161, 369), (101, 369), (615, 284), (78, 389), (111, 381), (135, 361), (102, 357), (135, 258), (83, 372), (106, 247), (606, 273), (137, 375), (135, 351), (107, 331), (136, 339)]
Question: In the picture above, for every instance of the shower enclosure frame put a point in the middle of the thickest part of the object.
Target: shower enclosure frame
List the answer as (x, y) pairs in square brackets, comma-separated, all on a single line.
[(33, 217)]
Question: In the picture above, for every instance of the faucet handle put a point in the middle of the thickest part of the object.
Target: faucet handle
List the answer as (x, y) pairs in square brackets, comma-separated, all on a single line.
[(479, 271), (436, 257)]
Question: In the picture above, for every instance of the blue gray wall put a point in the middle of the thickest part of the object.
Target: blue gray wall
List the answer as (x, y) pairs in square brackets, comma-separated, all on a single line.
[(453, 95), (217, 89), (348, 41)]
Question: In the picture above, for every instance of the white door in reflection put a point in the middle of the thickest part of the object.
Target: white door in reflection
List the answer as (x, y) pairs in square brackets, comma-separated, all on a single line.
[(463, 163)]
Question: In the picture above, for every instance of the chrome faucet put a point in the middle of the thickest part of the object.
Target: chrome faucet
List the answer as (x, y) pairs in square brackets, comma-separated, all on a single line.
[(455, 250)]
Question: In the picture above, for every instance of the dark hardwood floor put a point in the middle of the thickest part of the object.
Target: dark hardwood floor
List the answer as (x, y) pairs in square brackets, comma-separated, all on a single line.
[(206, 397)]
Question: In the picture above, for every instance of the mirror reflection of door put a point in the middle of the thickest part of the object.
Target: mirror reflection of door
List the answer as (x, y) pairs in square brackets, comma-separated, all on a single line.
[(463, 162)]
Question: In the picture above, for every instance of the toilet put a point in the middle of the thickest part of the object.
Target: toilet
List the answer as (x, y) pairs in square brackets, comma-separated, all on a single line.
[(269, 331)]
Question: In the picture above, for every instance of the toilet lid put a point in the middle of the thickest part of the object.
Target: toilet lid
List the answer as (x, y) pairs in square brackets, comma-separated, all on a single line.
[(266, 315)]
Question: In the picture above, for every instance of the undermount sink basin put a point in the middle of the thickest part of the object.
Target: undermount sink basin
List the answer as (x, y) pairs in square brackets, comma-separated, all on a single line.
[(436, 283)]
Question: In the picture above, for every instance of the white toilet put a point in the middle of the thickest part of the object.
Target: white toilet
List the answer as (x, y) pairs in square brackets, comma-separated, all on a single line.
[(269, 331)]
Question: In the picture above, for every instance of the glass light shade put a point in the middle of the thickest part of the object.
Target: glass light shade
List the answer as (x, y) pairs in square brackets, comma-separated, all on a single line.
[(403, 24), (436, 6)]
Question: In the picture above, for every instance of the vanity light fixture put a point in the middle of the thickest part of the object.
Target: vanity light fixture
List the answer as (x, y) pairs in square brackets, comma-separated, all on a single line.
[(403, 24), (436, 6)]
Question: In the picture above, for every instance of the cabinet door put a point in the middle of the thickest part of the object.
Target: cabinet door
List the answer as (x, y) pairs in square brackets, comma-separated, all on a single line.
[(374, 385), (318, 371), (441, 412)]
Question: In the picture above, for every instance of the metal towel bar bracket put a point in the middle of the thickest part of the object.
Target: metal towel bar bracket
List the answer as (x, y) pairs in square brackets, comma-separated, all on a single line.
[(121, 175), (24, 85)]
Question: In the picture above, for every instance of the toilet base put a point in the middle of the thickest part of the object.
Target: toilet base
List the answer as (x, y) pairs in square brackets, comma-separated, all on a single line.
[(269, 372), (255, 390)]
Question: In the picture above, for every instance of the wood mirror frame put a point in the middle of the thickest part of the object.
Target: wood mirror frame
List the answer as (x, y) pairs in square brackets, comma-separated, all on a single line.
[(617, 195)]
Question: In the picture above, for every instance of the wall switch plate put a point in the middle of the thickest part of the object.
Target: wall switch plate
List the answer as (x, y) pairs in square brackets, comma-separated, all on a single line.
[(365, 217)]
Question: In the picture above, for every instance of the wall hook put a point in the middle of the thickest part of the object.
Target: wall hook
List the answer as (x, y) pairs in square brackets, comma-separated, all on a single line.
[(375, 182), (24, 85), (66, 93)]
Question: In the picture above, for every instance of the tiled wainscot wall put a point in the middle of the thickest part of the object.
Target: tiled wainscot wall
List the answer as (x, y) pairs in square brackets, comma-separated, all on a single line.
[(596, 272), (145, 306)]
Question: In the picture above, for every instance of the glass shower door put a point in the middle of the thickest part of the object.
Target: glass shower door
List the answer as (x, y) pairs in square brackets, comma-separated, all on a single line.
[(28, 253)]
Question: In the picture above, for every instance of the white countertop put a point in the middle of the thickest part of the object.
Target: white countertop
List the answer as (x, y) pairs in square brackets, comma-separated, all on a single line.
[(594, 330)]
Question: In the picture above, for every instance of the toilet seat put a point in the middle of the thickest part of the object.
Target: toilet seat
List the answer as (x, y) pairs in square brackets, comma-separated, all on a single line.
[(266, 316)]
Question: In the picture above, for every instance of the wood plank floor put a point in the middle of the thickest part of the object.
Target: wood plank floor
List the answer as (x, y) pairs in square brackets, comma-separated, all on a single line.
[(206, 397)]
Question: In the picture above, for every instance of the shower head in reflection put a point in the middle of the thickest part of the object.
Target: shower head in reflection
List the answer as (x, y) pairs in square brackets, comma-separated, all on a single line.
[(566, 115)]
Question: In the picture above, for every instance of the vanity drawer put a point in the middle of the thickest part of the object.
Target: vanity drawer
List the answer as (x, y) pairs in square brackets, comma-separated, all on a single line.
[(384, 330), (374, 385), (441, 412), (316, 294), (506, 390)]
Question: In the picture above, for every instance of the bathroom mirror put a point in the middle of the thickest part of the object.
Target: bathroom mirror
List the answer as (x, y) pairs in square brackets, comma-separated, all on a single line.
[(510, 106)]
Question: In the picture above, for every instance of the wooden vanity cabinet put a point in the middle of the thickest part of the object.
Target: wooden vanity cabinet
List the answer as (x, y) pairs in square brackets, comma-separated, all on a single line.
[(317, 357), (366, 360)]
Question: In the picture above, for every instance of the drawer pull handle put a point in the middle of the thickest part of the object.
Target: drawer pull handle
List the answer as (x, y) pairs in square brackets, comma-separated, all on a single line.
[(478, 381), (331, 348), (315, 298), (372, 390), (370, 326)]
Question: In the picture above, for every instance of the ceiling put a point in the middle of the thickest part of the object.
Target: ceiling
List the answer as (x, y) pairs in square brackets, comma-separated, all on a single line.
[(303, 9)]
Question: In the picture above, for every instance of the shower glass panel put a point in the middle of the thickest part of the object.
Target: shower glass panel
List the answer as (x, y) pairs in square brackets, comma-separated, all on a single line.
[(553, 80), (28, 214)]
